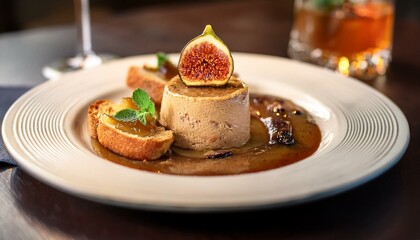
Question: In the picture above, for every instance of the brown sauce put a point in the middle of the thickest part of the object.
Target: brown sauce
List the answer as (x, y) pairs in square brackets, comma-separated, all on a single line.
[(267, 149)]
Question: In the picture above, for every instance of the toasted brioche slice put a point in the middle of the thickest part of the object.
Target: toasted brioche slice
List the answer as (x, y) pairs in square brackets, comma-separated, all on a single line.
[(127, 144), (151, 82), (134, 146), (95, 111)]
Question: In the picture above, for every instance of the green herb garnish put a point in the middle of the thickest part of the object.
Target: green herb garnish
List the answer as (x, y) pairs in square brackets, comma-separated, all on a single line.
[(165, 66), (161, 59), (146, 108), (328, 4)]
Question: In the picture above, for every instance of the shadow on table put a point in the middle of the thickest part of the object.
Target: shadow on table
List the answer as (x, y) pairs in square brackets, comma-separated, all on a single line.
[(368, 212)]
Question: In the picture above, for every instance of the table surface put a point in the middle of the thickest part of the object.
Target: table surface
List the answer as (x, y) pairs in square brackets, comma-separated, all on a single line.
[(387, 207)]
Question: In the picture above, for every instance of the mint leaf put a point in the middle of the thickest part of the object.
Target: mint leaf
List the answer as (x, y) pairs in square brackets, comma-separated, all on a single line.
[(161, 59), (143, 101), (165, 66), (142, 117), (126, 115)]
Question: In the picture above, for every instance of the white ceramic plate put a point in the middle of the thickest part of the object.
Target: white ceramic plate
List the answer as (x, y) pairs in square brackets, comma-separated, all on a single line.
[(363, 132)]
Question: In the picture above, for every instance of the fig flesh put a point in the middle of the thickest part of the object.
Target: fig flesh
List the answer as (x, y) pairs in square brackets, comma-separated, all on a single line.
[(205, 61)]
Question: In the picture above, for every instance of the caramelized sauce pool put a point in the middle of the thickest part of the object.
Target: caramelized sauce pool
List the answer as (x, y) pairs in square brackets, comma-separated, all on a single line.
[(262, 152)]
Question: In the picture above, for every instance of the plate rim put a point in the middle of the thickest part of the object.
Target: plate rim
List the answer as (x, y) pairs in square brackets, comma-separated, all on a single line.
[(21, 162)]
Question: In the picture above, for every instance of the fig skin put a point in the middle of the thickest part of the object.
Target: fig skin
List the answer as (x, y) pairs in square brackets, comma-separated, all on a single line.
[(205, 61)]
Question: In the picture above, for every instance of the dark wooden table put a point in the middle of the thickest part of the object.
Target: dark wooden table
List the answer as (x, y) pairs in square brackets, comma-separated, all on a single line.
[(387, 207)]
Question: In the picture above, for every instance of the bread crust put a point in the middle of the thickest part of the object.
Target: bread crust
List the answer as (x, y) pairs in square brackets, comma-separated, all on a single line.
[(128, 145), (95, 110), (152, 83), (133, 146)]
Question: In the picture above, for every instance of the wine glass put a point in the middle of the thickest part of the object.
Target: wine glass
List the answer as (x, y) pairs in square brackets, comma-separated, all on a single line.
[(86, 58)]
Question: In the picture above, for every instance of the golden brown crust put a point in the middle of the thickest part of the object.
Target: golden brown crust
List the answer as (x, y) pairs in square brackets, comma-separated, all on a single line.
[(231, 89), (95, 110), (132, 146), (126, 144), (150, 82)]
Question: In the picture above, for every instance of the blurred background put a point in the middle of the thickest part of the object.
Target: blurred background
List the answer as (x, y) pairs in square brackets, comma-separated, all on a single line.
[(18, 15), (45, 29)]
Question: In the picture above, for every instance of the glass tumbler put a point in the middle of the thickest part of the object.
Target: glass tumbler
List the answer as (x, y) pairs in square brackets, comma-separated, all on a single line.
[(353, 37)]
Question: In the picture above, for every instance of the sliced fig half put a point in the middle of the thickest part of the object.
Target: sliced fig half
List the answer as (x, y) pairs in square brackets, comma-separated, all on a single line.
[(205, 61)]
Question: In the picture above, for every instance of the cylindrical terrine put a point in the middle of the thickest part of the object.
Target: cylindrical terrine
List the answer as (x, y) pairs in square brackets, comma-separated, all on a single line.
[(206, 117)]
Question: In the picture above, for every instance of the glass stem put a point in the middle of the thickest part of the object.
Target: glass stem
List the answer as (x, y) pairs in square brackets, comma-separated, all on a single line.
[(83, 23)]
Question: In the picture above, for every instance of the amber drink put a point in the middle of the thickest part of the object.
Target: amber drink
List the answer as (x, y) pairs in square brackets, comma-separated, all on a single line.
[(352, 37)]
